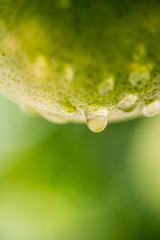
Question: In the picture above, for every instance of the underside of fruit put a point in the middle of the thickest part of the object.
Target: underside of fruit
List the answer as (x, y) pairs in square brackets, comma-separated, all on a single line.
[(88, 61)]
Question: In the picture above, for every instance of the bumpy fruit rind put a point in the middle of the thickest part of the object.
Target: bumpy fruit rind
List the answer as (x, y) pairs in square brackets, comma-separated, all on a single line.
[(72, 60)]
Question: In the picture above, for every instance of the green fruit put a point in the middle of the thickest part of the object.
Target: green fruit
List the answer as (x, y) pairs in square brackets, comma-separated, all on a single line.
[(81, 60)]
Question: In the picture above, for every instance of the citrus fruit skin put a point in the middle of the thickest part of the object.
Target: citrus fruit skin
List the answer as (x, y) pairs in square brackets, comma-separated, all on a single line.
[(81, 60)]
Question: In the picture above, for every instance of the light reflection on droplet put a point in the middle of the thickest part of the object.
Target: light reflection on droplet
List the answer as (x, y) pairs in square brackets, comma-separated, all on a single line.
[(128, 103), (139, 75), (66, 108), (106, 86), (96, 118), (151, 109)]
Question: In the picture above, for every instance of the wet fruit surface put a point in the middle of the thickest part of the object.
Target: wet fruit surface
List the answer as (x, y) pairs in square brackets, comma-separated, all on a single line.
[(60, 58)]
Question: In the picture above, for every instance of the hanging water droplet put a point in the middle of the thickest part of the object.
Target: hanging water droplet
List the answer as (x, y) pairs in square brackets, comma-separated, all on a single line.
[(106, 86), (140, 76), (96, 118), (151, 109), (66, 108), (128, 103)]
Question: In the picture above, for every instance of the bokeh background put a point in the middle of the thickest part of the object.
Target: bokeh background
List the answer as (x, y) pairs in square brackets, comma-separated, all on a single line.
[(63, 182)]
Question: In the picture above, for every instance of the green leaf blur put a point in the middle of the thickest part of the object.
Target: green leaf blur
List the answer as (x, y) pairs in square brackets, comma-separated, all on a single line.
[(64, 182)]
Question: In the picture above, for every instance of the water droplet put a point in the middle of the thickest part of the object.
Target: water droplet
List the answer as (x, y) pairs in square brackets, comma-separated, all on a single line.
[(128, 103), (106, 86), (151, 109), (96, 118), (66, 108), (140, 76)]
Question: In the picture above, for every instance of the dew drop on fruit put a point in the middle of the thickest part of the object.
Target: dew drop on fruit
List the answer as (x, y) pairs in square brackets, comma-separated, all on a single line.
[(139, 78), (106, 86), (96, 118), (128, 103), (66, 108), (151, 109)]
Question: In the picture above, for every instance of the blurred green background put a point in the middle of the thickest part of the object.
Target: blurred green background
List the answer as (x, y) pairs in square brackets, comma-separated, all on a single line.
[(63, 182)]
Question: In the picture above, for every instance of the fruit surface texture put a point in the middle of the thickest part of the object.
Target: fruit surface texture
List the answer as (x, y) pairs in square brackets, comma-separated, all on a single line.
[(81, 60)]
